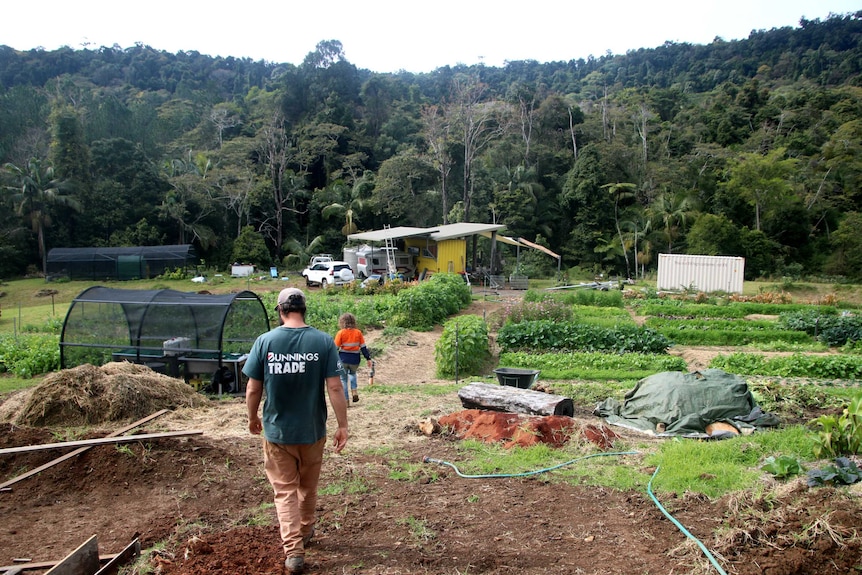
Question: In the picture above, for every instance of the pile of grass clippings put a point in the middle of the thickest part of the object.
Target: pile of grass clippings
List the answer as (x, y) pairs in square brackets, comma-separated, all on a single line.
[(116, 391)]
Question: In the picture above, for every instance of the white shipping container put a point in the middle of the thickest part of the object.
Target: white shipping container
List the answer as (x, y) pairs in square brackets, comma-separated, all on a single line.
[(701, 273)]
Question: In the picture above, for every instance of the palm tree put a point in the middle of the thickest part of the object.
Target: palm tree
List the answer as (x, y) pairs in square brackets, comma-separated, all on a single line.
[(620, 191), (34, 193), (298, 253), (637, 224), (352, 202), (672, 211)]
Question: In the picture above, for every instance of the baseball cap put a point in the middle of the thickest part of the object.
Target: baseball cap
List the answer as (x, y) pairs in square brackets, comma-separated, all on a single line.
[(292, 298)]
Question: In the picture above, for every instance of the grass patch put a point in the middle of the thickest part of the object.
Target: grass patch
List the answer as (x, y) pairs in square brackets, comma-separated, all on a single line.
[(418, 529), (348, 484), (672, 308), (812, 347), (575, 464), (411, 471), (23, 320), (424, 389), (710, 468), (263, 516), (715, 468), (10, 382)]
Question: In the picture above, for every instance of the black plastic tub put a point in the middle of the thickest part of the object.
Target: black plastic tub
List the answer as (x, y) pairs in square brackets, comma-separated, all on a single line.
[(515, 377)]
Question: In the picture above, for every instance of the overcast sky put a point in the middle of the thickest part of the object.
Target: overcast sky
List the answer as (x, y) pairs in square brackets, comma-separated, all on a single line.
[(390, 35)]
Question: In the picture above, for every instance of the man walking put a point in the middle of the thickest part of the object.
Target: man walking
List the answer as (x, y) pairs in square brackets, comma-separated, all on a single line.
[(293, 363)]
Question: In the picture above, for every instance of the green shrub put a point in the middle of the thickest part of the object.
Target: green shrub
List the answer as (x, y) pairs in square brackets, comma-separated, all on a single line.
[(538, 310), (174, 274), (546, 335), (29, 355), (430, 302), (843, 472), (591, 297), (796, 365), (463, 347), (683, 309), (50, 325), (724, 331), (593, 366), (416, 306), (840, 435), (782, 467), (325, 309), (825, 325)]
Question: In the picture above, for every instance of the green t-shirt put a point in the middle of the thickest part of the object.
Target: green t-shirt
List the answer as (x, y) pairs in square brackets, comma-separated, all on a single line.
[(293, 364)]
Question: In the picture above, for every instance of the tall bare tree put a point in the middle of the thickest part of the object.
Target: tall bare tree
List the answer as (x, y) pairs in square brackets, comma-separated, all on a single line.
[(223, 118), (277, 152), (480, 122), (438, 135)]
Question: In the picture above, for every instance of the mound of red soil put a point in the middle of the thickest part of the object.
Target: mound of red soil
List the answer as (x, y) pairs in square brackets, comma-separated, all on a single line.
[(522, 430)]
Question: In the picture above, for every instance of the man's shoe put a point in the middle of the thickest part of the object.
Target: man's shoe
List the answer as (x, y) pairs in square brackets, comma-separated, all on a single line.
[(355, 397), (294, 564)]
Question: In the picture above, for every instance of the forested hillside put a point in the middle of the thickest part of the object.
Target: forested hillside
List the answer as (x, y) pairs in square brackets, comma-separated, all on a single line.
[(749, 147)]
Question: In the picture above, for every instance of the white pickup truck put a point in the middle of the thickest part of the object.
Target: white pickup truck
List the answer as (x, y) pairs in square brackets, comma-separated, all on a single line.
[(320, 258)]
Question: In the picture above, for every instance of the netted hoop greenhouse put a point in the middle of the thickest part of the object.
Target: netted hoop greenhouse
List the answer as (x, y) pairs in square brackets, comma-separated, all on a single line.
[(108, 263), (178, 333)]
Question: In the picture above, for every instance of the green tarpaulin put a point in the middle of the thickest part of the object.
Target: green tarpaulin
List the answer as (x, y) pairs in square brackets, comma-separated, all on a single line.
[(674, 403)]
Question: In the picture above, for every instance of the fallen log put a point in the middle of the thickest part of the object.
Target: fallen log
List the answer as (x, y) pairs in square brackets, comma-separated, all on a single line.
[(514, 400)]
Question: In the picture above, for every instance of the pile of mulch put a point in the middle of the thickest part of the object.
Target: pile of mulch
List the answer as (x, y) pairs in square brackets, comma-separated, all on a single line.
[(87, 394)]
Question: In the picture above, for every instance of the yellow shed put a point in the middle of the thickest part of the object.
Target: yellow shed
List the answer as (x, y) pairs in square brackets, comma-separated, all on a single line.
[(437, 250)]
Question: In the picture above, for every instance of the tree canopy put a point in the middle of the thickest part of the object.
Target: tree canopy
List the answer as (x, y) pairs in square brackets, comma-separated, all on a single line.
[(750, 148)]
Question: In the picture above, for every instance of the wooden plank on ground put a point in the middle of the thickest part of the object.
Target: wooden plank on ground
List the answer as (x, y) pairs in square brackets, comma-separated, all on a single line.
[(82, 561), (100, 441), (42, 565), (514, 400), (4, 486), (132, 551)]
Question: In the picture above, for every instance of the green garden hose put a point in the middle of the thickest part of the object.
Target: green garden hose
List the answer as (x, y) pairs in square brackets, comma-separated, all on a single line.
[(427, 459), (679, 526)]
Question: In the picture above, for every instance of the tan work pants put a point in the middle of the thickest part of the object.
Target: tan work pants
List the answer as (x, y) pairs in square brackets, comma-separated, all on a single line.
[(294, 471)]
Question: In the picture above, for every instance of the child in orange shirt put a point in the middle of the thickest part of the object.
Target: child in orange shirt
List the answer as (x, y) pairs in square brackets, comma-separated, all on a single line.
[(350, 343)]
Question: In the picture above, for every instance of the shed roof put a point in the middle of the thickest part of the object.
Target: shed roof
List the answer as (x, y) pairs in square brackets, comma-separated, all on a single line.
[(438, 233), (390, 234), (461, 229)]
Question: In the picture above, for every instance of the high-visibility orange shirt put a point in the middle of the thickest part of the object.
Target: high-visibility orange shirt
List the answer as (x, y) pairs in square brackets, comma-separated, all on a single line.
[(351, 343)]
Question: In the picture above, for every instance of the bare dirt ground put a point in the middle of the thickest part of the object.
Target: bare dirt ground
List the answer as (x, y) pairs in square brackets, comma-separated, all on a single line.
[(205, 504)]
